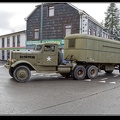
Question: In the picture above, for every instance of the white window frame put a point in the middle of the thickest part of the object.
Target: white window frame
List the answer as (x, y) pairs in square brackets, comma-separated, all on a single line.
[(51, 11), (36, 34), (68, 29)]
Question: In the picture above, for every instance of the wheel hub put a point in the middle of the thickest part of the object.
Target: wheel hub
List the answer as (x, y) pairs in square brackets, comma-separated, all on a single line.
[(21, 74)]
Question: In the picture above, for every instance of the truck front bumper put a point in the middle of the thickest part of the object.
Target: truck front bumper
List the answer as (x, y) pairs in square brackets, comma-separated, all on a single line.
[(7, 66)]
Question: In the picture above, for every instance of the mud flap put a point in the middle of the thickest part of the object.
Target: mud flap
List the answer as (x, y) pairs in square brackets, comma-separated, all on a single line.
[(119, 68)]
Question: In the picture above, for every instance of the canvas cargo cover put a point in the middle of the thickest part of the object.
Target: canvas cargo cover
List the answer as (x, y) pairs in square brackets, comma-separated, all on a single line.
[(88, 48)]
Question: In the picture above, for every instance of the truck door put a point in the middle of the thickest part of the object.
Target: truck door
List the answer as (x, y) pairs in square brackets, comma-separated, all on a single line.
[(50, 55)]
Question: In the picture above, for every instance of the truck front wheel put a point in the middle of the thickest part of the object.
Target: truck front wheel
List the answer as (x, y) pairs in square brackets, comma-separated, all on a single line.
[(11, 72), (22, 73), (92, 72), (79, 73)]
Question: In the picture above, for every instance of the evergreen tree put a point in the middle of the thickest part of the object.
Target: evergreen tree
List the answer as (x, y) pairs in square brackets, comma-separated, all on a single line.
[(112, 20)]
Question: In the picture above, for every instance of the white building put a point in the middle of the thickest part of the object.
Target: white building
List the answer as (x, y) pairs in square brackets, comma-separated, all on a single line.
[(12, 42)]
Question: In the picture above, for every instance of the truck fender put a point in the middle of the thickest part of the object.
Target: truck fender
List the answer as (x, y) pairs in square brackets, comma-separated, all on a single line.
[(73, 65), (22, 62)]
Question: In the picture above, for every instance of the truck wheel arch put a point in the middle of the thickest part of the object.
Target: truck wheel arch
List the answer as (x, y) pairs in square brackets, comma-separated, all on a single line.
[(25, 63)]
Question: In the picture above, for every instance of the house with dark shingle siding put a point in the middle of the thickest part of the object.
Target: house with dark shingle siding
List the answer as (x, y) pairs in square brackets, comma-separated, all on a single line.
[(59, 20)]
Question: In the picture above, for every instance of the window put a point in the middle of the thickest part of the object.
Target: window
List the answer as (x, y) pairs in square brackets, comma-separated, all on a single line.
[(18, 40), (71, 43), (38, 47), (107, 36), (49, 48), (36, 34), (51, 11), (98, 34), (3, 42), (13, 41), (103, 34), (8, 54), (8, 42), (67, 29), (90, 32), (94, 33), (2, 54)]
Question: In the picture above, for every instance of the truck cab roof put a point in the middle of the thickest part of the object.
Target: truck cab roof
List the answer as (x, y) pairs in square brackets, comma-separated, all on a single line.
[(48, 43)]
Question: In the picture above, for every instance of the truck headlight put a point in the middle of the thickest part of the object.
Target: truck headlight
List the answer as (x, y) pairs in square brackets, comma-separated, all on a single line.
[(13, 60)]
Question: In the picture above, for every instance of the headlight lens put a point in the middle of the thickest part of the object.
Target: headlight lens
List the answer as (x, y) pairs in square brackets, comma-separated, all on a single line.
[(13, 60)]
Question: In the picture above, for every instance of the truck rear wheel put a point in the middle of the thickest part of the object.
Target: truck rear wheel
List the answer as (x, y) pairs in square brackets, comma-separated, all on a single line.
[(22, 74), (79, 73), (92, 72)]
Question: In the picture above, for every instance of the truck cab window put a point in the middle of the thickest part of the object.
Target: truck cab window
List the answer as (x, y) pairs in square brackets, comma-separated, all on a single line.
[(49, 48), (37, 47)]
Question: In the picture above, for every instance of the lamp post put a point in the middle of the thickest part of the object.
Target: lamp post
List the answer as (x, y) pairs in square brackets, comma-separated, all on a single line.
[(41, 23)]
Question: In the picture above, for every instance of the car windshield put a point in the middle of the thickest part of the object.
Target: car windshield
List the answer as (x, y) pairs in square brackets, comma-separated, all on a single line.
[(37, 47)]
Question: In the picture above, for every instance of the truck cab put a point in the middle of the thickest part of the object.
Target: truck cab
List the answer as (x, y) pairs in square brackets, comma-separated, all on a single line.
[(47, 55)]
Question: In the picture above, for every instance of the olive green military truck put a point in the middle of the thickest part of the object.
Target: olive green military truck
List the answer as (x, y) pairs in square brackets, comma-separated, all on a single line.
[(84, 56)]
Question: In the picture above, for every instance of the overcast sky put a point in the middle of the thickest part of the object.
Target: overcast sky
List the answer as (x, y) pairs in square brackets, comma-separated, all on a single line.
[(12, 14)]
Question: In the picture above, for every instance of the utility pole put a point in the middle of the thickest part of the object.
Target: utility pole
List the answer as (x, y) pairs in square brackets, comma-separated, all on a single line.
[(41, 23)]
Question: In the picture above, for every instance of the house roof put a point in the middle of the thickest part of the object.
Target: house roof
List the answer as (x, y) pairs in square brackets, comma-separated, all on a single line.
[(13, 33), (79, 10), (83, 12)]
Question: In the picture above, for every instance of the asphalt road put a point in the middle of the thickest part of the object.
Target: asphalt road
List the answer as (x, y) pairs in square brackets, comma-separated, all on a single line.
[(52, 94)]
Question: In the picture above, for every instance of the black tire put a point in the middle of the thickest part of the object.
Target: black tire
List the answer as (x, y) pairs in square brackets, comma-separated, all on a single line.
[(109, 72), (79, 73), (92, 72), (22, 74), (66, 75), (11, 72), (86, 77)]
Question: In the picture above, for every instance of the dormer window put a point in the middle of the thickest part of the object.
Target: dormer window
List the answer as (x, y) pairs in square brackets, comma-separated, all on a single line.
[(51, 11)]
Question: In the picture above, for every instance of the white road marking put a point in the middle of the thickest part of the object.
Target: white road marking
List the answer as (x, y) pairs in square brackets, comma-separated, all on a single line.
[(54, 76), (33, 74), (87, 80), (104, 79), (40, 75), (116, 75), (113, 82), (47, 76), (52, 73), (1, 66)]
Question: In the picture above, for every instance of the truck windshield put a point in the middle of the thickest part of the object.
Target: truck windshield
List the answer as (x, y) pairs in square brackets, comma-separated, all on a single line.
[(37, 47)]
